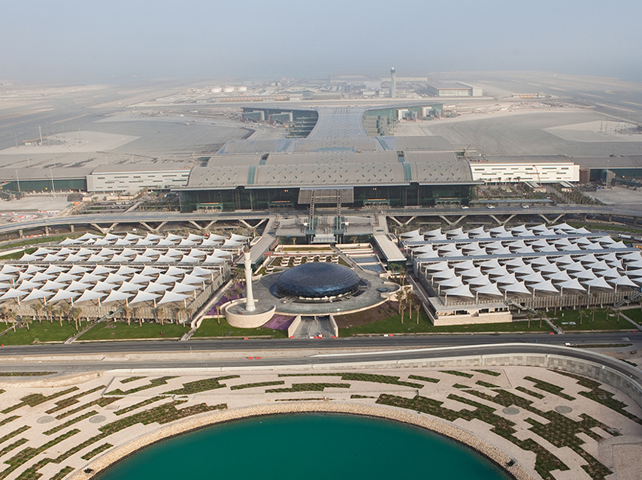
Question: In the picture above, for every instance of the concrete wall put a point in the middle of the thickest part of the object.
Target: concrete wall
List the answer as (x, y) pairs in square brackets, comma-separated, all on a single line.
[(335, 327), (494, 317), (246, 320), (294, 325)]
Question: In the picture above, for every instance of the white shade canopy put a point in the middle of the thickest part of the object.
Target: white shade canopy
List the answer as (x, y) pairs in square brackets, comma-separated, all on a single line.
[(533, 278), (598, 283), (156, 287), (37, 295), (63, 295), (142, 296), (115, 296), (192, 279), (585, 275), (125, 270), (104, 287), (489, 289), (142, 259), (78, 286), (510, 279), (546, 286), (13, 293), (129, 287), (478, 281), (55, 286), (622, 282), (170, 297), (166, 279), (516, 288), (450, 282), (462, 291), (148, 270), (181, 288), (89, 295), (573, 284)]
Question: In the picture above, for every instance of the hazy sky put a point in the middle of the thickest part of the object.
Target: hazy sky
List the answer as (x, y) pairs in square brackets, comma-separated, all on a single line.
[(94, 40)]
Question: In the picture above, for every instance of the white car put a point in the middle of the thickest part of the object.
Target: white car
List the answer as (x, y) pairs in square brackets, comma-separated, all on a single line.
[(490, 206)]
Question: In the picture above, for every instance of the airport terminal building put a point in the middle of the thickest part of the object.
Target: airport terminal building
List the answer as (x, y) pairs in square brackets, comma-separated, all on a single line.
[(332, 156)]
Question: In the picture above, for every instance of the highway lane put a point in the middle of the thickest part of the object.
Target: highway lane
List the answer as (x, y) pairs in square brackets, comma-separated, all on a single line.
[(338, 359), (346, 343)]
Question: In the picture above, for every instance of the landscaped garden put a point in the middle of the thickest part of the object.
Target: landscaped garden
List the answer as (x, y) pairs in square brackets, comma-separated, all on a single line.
[(39, 333), (212, 327), (589, 319), (122, 331), (385, 319)]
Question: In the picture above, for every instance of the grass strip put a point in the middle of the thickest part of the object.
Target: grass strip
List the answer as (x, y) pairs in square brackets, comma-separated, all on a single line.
[(489, 372), (131, 379), (14, 445), (101, 402), (70, 422), (258, 384), (96, 451), (529, 392), (307, 387), (69, 401), (156, 382), (25, 374), (37, 399), (549, 387), (144, 403), (457, 373), (8, 419), (15, 433), (198, 386), (62, 473), (486, 384), (423, 379)]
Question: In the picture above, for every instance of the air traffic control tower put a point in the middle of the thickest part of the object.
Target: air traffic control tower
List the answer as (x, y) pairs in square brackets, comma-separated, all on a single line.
[(393, 83)]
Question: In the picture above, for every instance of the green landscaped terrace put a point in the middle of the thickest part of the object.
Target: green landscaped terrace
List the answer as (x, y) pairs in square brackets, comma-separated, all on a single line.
[(210, 328), (392, 324), (122, 331), (604, 319), (39, 333)]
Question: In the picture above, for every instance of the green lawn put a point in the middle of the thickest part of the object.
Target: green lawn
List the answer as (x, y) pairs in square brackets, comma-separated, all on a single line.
[(39, 332), (393, 325), (210, 328), (37, 240), (602, 320), (634, 314), (120, 331), (17, 255)]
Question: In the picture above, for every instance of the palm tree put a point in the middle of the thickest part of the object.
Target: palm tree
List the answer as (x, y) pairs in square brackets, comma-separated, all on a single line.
[(11, 315), (160, 315), (74, 313), (582, 313), (138, 313), (540, 314), (127, 312), (36, 307), (529, 315), (49, 308), (3, 313)]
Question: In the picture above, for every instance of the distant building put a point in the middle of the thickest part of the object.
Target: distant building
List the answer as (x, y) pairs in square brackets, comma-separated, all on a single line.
[(453, 89)]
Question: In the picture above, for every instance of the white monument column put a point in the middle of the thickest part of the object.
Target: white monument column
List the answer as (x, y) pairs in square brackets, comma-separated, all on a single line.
[(249, 303)]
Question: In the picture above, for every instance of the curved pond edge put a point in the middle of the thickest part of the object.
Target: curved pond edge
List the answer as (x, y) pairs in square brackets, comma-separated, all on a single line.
[(497, 456)]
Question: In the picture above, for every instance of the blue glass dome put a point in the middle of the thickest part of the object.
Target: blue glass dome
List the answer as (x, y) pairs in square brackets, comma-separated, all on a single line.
[(317, 280)]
